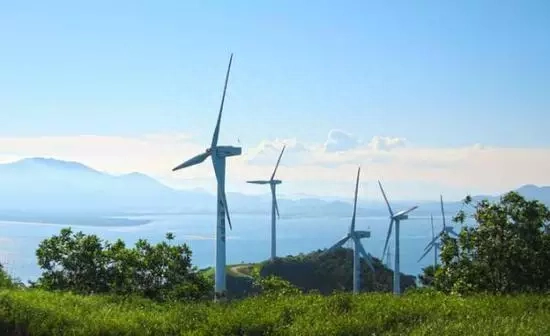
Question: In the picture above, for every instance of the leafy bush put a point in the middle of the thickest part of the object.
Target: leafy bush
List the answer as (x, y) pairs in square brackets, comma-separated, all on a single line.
[(36, 312), (508, 251), (273, 285), (86, 264)]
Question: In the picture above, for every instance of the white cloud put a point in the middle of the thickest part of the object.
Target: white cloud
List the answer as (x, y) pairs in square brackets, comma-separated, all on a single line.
[(477, 168), (339, 141), (381, 143)]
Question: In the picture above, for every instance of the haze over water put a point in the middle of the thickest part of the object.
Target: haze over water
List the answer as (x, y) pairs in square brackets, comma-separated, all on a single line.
[(247, 242)]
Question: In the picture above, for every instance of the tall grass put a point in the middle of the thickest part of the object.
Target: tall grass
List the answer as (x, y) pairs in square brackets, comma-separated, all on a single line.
[(34, 312)]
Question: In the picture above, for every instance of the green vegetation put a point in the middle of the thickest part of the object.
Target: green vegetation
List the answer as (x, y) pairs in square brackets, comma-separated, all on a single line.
[(493, 279), (332, 272), (86, 264), (42, 313), (5, 280), (508, 251), (312, 272)]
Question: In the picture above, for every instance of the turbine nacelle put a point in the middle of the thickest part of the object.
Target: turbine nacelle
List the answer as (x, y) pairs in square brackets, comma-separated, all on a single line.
[(362, 234), (400, 217), (275, 181), (225, 151)]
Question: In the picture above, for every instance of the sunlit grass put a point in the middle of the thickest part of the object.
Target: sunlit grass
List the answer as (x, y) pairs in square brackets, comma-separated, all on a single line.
[(46, 313)]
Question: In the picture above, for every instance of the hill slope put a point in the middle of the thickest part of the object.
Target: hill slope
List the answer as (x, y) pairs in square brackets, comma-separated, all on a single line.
[(314, 272)]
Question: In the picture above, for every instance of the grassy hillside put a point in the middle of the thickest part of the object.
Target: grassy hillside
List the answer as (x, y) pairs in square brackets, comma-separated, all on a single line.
[(34, 312), (333, 272), (314, 272)]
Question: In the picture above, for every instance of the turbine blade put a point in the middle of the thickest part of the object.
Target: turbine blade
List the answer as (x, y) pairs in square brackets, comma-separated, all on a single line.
[(425, 253), (224, 201), (385, 198), (432, 221), (258, 182), (337, 245), (355, 200), (218, 170), (364, 253), (442, 211), (277, 208), (278, 161), (431, 242), (193, 161), (387, 238), (217, 129), (273, 194), (411, 209)]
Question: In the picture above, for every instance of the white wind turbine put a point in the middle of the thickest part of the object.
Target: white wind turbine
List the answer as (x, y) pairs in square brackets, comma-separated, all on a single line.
[(446, 229), (218, 155), (397, 218), (433, 244), (274, 207), (358, 249)]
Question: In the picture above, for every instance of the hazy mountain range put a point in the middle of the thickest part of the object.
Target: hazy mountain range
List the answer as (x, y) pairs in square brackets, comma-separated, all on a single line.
[(38, 188)]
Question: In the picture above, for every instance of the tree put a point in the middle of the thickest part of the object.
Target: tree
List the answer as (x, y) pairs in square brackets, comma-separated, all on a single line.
[(508, 251), (428, 275), (86, 264)]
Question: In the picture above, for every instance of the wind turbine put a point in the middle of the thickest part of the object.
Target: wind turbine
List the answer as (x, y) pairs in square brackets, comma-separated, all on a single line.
[(397, 218), (446, 229), (434, 244), (358, 249), (218, 155), (274, 207)]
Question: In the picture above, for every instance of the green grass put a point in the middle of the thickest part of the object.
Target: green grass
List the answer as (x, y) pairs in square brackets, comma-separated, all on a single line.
[(45, 313)]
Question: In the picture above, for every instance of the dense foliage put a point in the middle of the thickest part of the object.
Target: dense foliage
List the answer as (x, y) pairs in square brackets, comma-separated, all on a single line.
[(428, 275), (86, 264), (39, 313), (5, 280), (508, 251), (331, 272)]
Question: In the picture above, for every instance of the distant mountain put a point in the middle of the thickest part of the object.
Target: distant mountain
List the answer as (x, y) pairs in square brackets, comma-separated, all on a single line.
[(532, 192), (49, 186)]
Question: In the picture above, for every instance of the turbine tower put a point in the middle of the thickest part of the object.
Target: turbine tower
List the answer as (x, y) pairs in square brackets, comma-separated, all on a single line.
[(358, 249), (397, 218), (274, 207), (446, 229), (218, 155), (433, 244)]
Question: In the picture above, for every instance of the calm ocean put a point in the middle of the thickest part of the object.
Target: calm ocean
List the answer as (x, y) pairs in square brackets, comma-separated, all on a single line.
[(248, 241)]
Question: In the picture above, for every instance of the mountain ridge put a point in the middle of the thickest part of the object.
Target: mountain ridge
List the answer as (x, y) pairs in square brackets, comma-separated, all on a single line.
[(50, 185)]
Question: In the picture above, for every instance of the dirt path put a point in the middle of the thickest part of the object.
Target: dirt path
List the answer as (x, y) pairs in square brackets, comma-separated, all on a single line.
[(238, 270)]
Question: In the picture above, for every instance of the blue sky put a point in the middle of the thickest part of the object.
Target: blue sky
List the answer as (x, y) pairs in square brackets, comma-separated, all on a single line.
[(441, 74)]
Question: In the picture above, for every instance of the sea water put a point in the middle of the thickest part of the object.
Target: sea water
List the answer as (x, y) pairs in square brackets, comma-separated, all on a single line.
[(249, 241)]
